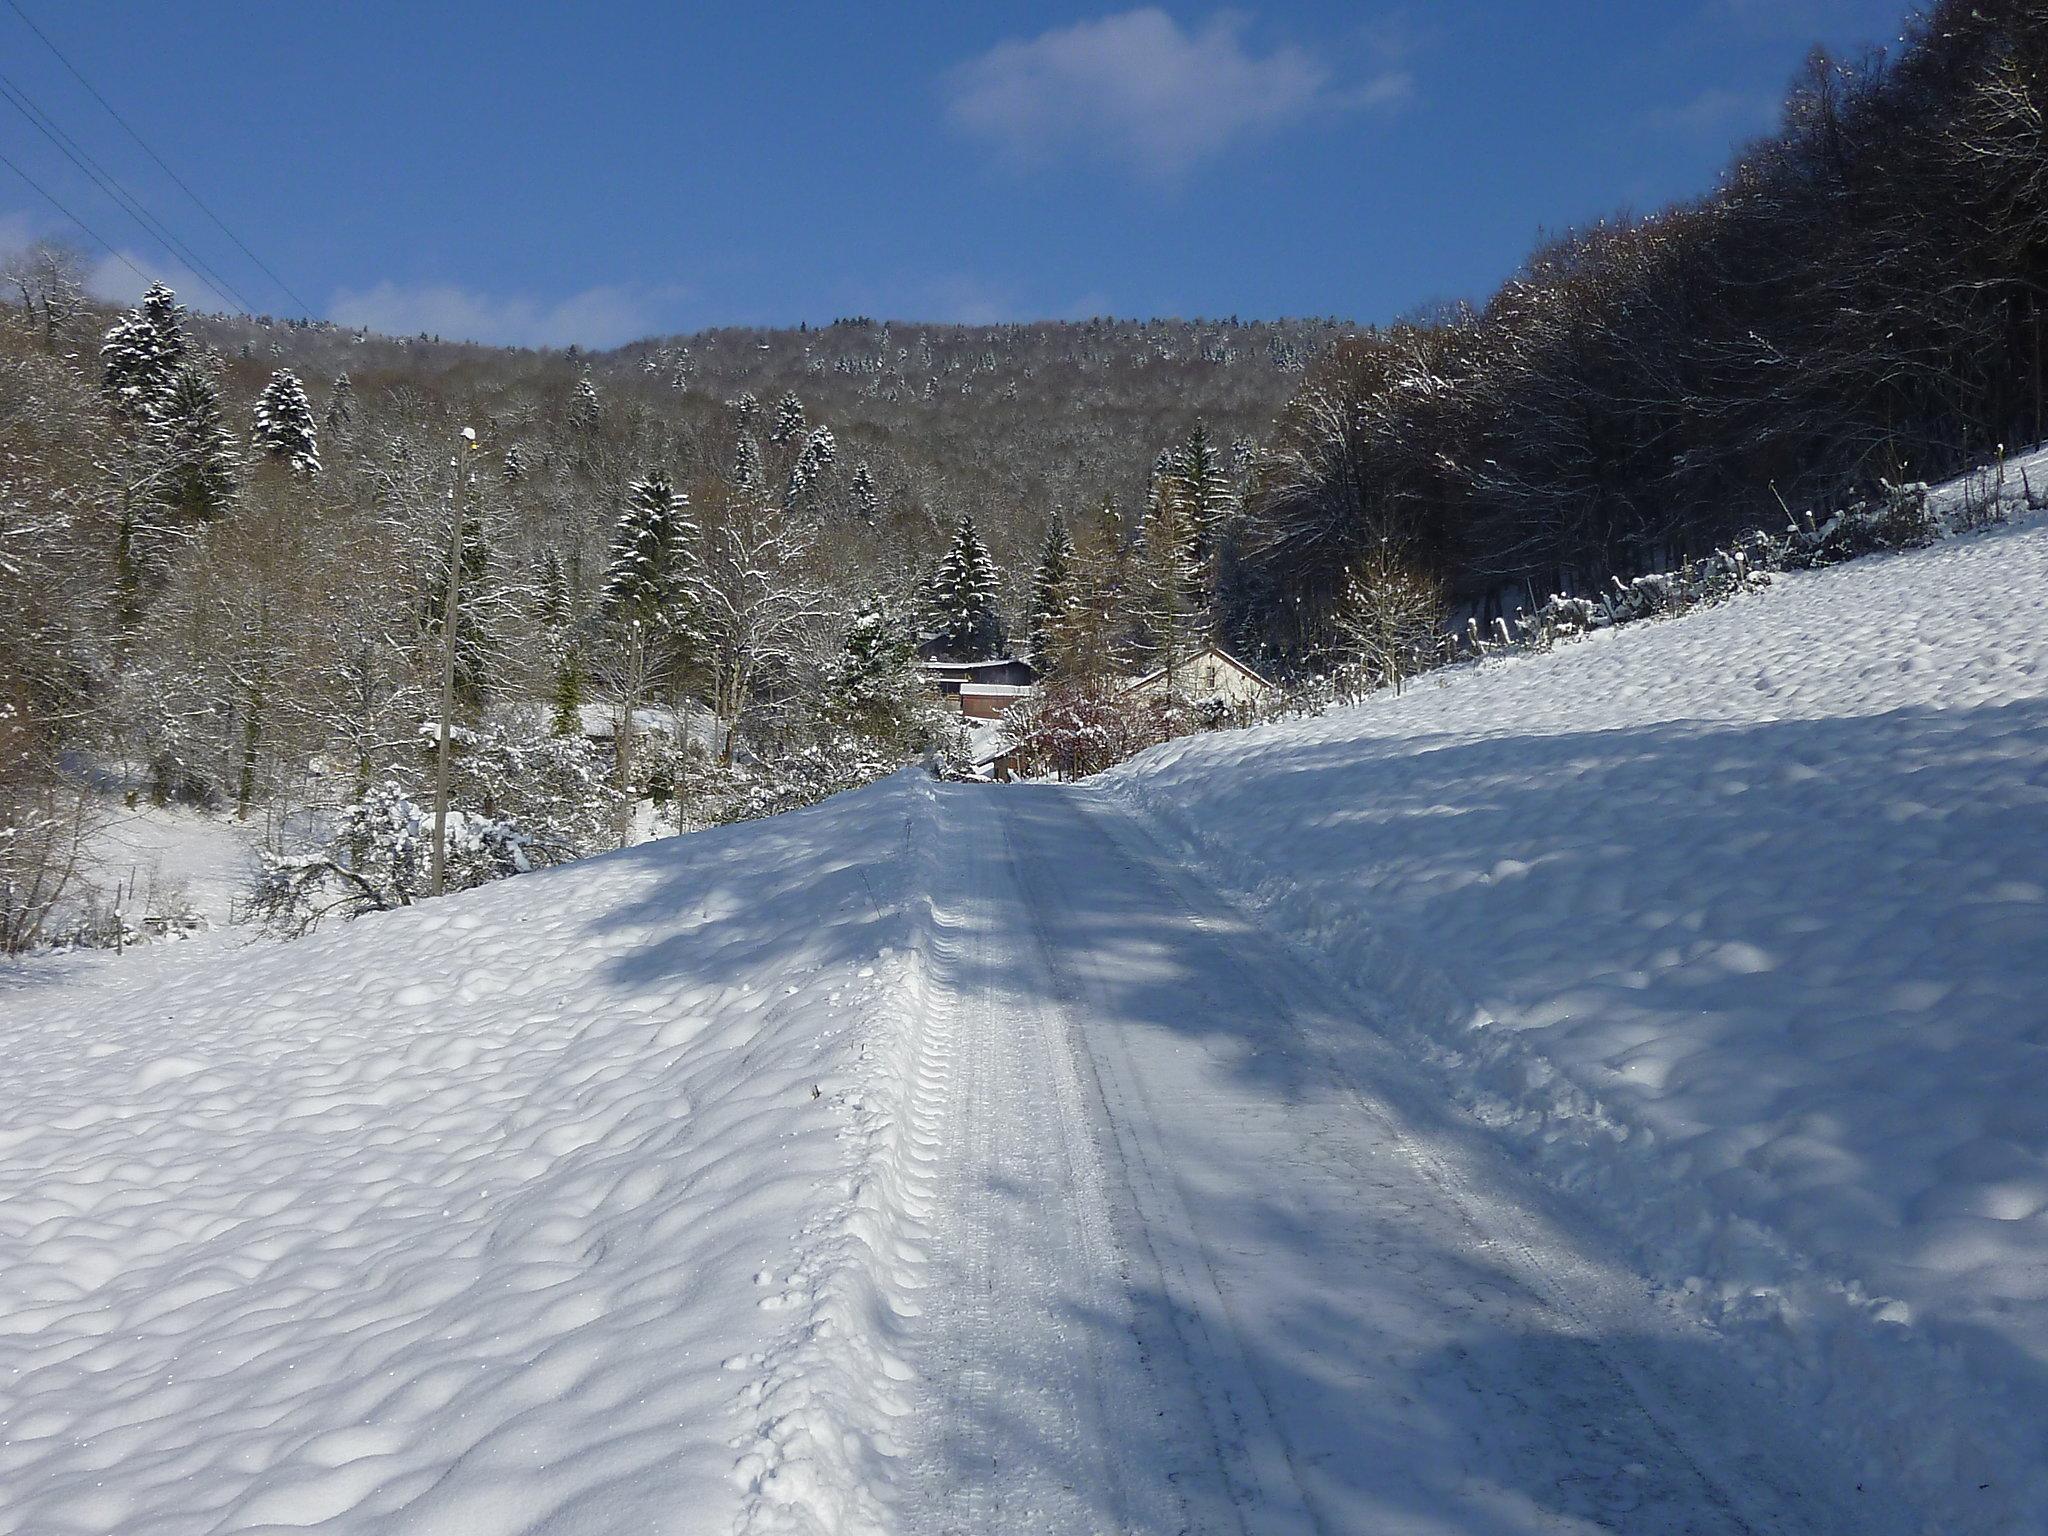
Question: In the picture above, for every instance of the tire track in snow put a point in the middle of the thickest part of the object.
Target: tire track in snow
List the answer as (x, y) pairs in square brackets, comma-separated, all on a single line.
[(1700, 1488), (1033, 1371)]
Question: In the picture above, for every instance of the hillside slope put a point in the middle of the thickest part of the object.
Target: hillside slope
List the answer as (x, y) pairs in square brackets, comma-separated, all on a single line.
[(1737, 928)]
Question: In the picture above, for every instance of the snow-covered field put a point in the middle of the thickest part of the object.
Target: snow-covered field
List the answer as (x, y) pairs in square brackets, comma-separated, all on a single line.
[(1595, 1091), (545, 1207)]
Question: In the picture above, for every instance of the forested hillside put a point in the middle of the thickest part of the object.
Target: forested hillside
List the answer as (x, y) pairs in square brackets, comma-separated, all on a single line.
[(1858, 302), (226, 542)]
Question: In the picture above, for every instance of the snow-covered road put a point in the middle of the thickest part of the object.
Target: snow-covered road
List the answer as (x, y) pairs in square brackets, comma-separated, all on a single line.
[(1213, 1261)]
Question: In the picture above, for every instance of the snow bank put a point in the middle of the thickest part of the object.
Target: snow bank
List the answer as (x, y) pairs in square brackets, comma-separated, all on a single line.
[(581, 1202), (1737, 927)]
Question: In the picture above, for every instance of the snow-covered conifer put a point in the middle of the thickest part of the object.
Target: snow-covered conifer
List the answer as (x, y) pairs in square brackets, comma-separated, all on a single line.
[(284, 424), (341, 407), (746, 462), (960, 605), (136, 365), (1050, 594), (819, 452), (198, 452), (789, 418), (585, 409), (648, 579), (867, 501)]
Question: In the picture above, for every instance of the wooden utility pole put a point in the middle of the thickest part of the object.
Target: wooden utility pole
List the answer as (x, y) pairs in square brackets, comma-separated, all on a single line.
[(448, 612)]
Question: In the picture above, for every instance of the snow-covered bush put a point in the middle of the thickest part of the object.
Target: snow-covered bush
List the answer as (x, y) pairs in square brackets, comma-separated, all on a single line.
[(561, 786), (380, 856), (1080, 728)]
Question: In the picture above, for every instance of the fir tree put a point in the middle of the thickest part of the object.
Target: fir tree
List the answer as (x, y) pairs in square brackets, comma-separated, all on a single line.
[(960, 605), (472, 651), (284, 424), (867, 501), (341, 408), (874, 684), (136, 366), (552, 601), (198, 453), (515, 465), (746, 410), (166, 316), (789, 418), (567, 716), (1206, 492), (1051, 594), (746, 462), (1173, 598), (819, 453), (585, 409), (648, 580)]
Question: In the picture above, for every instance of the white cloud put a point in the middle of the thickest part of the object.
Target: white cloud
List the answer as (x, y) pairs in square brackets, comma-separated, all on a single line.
[(1137, 88), (110, 279), (603, 316)]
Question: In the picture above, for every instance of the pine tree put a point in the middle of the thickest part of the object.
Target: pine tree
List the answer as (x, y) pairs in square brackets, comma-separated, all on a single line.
[(867, 501), (819, 453), (568, 694), (585, 409), (648, 580), (284, 424), (136, 366), (1205, 490), (1173, 596), (960, 605), (746, 462), (341, 408), (166, 316), (789, 418), (515, 464), (1051, 594), (198, 453), (746, 410)]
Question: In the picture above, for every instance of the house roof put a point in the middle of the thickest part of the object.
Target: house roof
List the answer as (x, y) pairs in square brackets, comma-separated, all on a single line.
[(976, 666), (1211, 650)]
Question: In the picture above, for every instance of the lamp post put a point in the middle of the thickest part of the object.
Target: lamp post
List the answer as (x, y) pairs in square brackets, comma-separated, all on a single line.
[(448, 612)]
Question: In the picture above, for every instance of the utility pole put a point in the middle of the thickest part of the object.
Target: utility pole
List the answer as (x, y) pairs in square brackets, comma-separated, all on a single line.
[(448, 612)]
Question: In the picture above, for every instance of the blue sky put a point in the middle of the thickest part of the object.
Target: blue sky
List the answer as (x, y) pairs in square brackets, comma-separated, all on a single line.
[(594, 172)]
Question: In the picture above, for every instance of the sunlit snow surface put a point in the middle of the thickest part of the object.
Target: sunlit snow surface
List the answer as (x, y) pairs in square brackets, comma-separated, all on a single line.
[(1738, 927), (548, 1206)]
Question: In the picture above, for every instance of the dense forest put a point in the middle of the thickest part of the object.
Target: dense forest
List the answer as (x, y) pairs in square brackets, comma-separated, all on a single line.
[(1859, 302), (232, 548)]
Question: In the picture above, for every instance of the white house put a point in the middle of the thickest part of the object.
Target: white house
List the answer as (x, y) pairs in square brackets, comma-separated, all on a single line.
[(1210, 673)]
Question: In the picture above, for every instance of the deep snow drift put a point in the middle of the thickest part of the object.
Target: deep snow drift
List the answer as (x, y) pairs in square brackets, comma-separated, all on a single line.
[(1737, 927), (566, 1204)]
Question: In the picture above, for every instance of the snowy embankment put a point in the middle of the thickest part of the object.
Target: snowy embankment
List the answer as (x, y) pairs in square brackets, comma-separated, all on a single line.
[(585, 1202), (1735, 927)]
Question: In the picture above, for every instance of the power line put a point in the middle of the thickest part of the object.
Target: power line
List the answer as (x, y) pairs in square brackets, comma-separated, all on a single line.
[(304, 308), (91, 233), (150, 225)]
